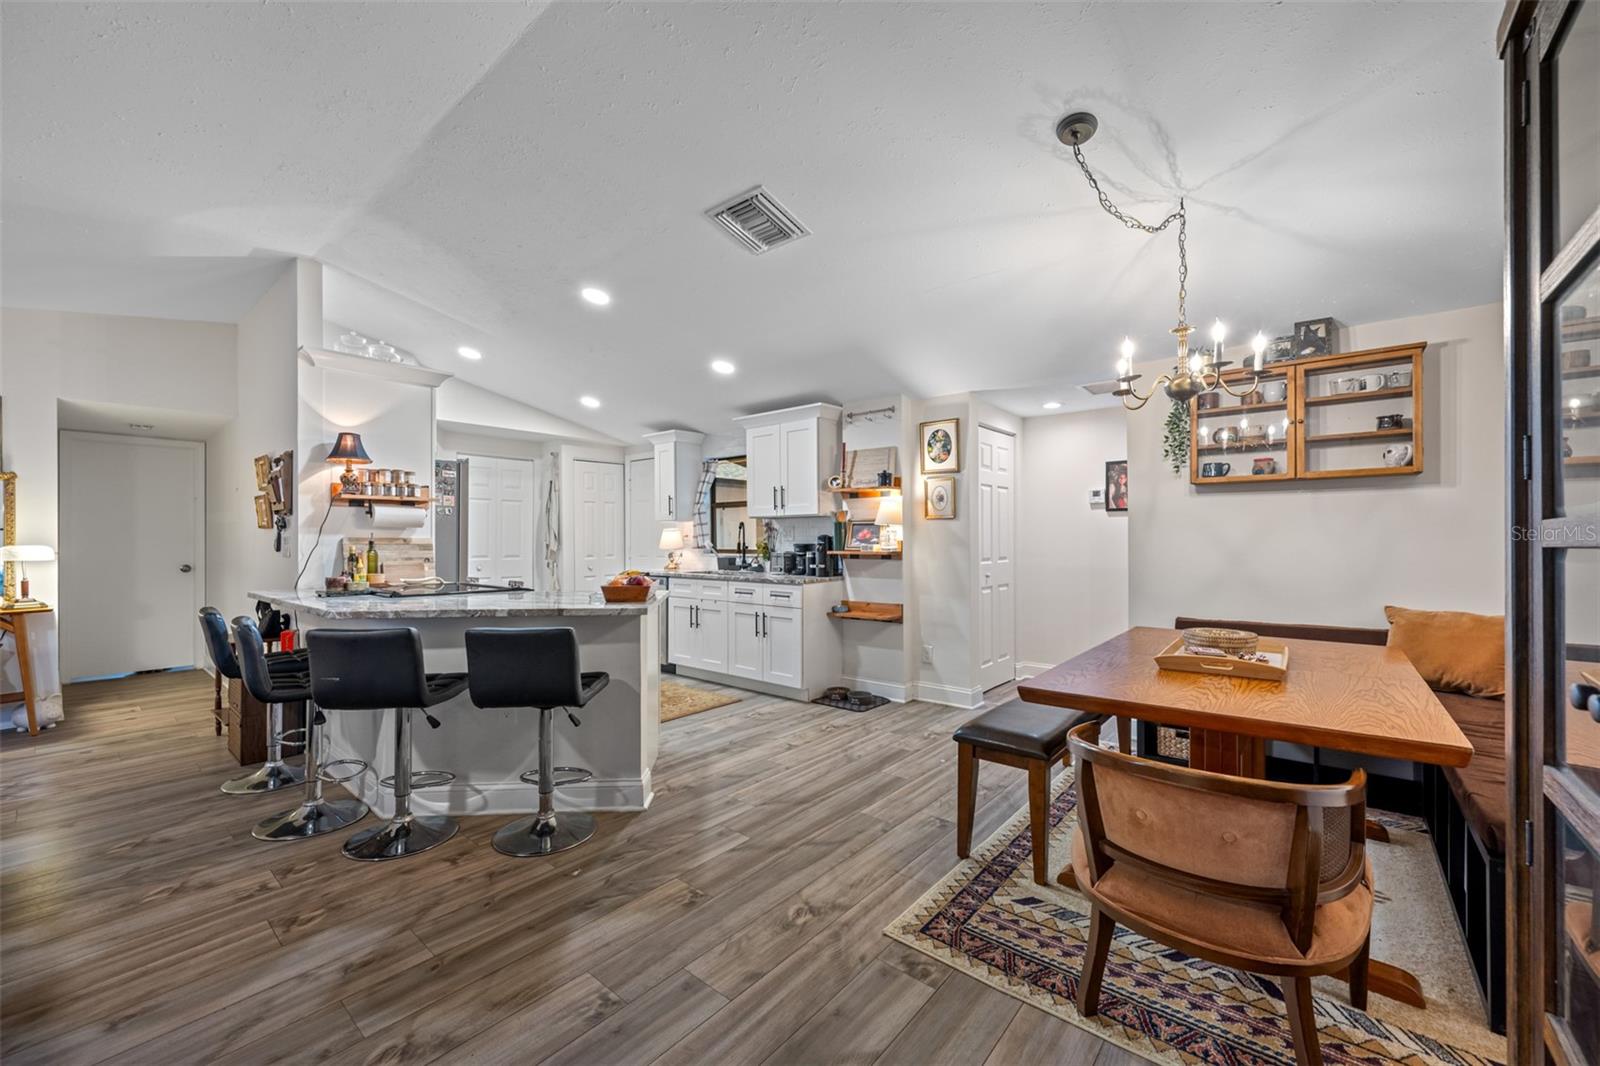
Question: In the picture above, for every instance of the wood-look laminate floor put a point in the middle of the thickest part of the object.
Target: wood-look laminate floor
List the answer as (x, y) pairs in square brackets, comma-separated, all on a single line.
[(739, 920)]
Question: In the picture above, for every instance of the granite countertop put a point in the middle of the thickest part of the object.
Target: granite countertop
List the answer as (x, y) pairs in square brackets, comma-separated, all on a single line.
[(474, 605), (756, 577)]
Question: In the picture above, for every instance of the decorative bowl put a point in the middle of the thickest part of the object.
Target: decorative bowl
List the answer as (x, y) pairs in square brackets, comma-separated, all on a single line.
[(625, 593), (1231, 641)]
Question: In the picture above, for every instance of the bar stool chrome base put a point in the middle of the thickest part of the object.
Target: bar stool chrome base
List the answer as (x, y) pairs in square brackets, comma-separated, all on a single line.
[(311, 819), (268, 777), (544, 834), (400, 837)]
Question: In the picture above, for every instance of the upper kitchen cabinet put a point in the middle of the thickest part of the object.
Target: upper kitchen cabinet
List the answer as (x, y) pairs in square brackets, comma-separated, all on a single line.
[(677, 473), (791, 454)]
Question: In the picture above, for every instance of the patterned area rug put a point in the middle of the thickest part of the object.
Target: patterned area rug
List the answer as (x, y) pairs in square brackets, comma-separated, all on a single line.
[(680, 701), (988, 919)]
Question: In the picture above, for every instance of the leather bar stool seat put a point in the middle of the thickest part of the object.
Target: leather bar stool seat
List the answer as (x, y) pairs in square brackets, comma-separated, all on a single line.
[(537, 669), (376, 669), (289, 681), (274, 773)]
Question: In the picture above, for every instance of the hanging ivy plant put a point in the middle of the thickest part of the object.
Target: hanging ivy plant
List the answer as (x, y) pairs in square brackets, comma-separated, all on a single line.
[(1175, 437)]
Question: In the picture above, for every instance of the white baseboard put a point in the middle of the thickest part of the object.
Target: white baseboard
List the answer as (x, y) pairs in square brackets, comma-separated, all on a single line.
[(887, 689), (950, 695), (1027, 670)]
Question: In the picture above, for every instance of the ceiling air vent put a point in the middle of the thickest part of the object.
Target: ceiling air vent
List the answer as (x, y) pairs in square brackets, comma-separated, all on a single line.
[(1101, 388), (757, 221)]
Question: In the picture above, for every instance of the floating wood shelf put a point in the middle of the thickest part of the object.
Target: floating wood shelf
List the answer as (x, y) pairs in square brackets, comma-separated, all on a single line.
[(873, 490), (867, 611), (382, 501), (856, 553), (1359, 436), (1357, 397)]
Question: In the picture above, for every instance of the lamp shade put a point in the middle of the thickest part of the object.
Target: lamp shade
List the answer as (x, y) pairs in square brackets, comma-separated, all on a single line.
[(348, 449), (27, 553), (671, 539), (891, 512)]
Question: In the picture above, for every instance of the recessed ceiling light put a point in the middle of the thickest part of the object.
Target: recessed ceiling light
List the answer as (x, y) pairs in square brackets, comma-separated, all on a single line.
[(598, 297), (722, 366), (469, 353), (1053, 405), (588, 401)]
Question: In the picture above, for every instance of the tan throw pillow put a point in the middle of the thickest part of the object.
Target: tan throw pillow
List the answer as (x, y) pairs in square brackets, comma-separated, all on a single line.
[(1453, 651)]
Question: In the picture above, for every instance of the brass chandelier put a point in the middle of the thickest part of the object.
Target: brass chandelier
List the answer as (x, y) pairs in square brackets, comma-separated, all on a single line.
[(1192, 372)]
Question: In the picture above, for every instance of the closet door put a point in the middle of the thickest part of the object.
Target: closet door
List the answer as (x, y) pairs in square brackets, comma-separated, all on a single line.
[(1551, 53)]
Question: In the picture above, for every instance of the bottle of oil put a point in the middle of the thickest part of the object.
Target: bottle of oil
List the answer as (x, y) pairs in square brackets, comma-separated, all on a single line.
[(372, 559)]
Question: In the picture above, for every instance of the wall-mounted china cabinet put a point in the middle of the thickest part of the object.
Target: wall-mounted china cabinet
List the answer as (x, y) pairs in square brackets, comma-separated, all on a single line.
[(1358, 414)]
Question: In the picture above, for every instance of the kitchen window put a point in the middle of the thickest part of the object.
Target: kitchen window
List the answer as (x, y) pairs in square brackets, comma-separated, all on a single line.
[(729, 505)]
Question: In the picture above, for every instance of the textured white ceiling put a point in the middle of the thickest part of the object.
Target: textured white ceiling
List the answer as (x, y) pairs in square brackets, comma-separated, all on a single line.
[(483, 161)]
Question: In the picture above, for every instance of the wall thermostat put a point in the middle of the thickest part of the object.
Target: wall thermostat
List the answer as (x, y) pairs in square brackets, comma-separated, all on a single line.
[(1097, 497)]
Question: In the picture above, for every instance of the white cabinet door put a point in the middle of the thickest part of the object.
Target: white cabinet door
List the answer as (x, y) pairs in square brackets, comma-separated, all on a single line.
[(681, 634), (745, 646), (764, 454), (781, 627), (800, 488), (711, 636), (666, 477)]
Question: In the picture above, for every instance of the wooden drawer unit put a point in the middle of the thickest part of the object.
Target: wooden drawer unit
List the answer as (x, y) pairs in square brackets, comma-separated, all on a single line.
[(247, 725)]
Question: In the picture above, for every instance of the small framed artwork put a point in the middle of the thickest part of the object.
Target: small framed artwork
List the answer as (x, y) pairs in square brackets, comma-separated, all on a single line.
[(941, 446), (263, 513), (1313, 337), (939, 498), (1117, 485), (865, 537)]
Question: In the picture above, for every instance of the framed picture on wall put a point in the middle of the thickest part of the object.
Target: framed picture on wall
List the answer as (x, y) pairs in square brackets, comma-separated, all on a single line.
[(939, 498), (940, 446), (1117, 485)]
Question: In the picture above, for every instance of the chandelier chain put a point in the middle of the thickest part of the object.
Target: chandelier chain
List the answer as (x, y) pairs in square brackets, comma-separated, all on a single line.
[(1180, 216)]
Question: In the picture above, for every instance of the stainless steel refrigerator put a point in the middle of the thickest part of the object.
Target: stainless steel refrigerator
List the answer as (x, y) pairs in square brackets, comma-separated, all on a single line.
[(450, 519)]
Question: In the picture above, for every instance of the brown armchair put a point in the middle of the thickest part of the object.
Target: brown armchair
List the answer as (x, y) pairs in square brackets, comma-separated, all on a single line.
[(1265, 877)]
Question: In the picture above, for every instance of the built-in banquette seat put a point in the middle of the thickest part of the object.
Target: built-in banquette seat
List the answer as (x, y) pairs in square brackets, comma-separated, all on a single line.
[(1465, 809)]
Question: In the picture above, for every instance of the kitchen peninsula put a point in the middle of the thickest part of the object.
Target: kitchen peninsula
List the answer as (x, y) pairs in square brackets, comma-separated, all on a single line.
[(487, 750)]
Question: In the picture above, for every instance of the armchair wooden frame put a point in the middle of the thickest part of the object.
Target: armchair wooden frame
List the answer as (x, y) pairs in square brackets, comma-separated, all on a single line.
[(1302, 893)]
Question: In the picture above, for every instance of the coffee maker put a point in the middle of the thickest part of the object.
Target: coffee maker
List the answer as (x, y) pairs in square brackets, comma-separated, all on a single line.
[(827, 565)]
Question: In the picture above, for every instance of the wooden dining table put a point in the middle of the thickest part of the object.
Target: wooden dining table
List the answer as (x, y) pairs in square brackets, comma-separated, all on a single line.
[(1360, 698)]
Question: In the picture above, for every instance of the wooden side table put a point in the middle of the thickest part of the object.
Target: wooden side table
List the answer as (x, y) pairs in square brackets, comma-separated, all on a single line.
[(13, 620)]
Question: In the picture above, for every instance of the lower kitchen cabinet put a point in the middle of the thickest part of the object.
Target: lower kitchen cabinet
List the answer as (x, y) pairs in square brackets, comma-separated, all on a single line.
[(775, 638)]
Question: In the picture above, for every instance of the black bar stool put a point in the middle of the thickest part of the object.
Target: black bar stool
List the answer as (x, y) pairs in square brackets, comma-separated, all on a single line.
[(371, 670), (274, 773), (315, 815), (536, 668)]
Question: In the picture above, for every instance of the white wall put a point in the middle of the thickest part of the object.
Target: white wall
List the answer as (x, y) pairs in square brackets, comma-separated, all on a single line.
[(1337, 552), (1072, 558), (49, 356), (241, 557), (467, 408)]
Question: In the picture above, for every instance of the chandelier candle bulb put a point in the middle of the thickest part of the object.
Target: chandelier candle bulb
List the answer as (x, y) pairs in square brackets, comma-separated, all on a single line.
[(1259, 346)]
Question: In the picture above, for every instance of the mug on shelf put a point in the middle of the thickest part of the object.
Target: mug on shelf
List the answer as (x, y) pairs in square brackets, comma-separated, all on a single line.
[(1343, 385), (1397, 455), (1264, 464), (1224, 435), (1215, 469), (1208, 401), (1398, 379), (1391, 421), (1371, 382), (1274, 391)]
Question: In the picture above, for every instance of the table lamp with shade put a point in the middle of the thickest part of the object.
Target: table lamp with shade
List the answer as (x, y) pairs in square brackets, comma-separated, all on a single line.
[(347, 449), (23, 554), (891, 514), (672, 544)]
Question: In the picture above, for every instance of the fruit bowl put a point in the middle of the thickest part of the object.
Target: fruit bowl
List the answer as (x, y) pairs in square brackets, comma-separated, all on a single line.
[(627, 588)]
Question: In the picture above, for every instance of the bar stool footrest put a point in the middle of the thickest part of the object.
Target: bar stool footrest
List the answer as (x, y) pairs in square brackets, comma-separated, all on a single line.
[(576, 775), (335, 772), (293, 737), (422, 779)]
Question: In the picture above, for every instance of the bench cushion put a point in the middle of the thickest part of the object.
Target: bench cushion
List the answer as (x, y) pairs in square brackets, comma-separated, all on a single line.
[(1480, 786), (1026, 729)]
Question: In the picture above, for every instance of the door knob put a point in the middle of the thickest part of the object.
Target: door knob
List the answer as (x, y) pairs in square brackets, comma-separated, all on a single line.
[(185, 568)]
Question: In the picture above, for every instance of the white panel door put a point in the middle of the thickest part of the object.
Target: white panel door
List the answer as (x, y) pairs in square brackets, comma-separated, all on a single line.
[(513, 513), (745, 649), (780, 627), (644, 530), (480, 518), (800, 490), (996, 558), (764, 454), (598, 544), (132, 565)]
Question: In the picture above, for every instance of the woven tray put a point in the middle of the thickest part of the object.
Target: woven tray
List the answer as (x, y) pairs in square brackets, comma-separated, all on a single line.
[(1173, 657)]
